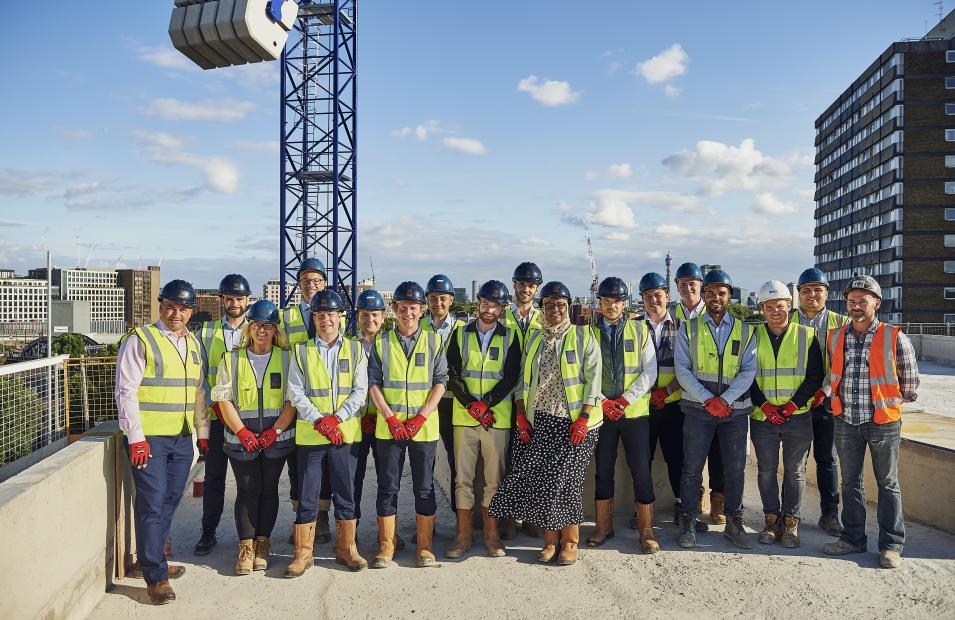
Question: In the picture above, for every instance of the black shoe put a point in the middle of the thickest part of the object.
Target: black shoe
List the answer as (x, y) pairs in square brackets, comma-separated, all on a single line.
[(206, 542), (687, 537), (701, 527)]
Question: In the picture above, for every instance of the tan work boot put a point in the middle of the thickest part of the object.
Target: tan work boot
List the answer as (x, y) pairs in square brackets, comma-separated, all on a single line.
[(569, 538), (492, 541), (322, 532), (386, 542), (347, 550), (425, 530), (243, 566), (716, 508), (160, 593), (770, 533), (464, 538), (291, 535), (551, 540), (304, 543), (262, 551), (604, 523), (790, 533), (648, 544)]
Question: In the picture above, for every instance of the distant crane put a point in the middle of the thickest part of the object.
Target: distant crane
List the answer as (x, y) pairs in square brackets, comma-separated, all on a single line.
[(594, 278)]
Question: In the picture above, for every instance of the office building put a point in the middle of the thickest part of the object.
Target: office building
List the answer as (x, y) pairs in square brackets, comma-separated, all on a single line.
[(23, 300), (142, 288), (460, 296), (99, 287), (271, 291)]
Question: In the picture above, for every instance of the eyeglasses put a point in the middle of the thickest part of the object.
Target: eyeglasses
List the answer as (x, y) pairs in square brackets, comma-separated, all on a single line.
[(559, 306), (262, 327), (311, 281)]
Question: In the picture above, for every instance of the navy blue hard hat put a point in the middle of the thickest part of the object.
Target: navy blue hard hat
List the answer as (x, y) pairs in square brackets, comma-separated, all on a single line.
[(263, 311), (652, 281), (325, 301), (554, 289), (180, 292), (689, 270), (440, 284), (718, 277), (813, 276), (528, 272), (410, 291), (495, 290), (235, 284), (613, 287), (310, 264), (370, 300)]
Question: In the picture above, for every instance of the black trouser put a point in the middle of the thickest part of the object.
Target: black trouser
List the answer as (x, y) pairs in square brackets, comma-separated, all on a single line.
[(635, 434), (714, 464), (366, 445), (213, 493), (666, 426), (446, 430), (257, 495), (824, 453)]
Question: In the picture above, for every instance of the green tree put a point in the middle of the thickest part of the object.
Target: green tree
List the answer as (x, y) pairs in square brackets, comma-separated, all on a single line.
[(741, 312), (20, 414), (73, 345)]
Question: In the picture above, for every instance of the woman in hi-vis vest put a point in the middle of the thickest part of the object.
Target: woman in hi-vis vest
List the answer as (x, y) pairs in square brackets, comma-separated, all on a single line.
[(250, 399)]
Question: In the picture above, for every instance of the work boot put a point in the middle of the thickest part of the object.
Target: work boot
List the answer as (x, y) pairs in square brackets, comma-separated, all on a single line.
[(507, 528), (207, 540), (464, 537), (243, 566), (322, 532), (263, 549), (770, 533), (160, 593), (569, 538), (492, 541), (830, 524), (790, 534), (716, 508), (532, 530), (687, 537), (735, 531), (291, 534), (890, 558), (304, 543), (551, 540), (386, 542), (604, 526), (425, 531), (700, 526), (648, 544), (347, 550), (635, 521), (841, 547)]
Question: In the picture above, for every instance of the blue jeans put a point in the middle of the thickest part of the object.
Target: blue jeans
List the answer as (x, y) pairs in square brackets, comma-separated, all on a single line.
[(824, 453), (795, 435), (217, 463), (159, 488), (883, 442), (390, 462), (699, 428), (313, 463)]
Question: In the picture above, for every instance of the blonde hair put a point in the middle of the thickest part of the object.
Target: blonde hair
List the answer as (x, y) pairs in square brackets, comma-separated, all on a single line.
[(279, 339)]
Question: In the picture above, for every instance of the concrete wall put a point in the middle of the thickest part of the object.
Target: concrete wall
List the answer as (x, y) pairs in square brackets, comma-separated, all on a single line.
[(939, 349)]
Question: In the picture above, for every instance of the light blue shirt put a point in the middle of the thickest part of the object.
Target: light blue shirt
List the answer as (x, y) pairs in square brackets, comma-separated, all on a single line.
[(350, 408), (692, 388)]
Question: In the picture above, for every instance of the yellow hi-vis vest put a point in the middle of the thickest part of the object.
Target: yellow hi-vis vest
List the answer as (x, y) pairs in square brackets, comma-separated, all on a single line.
[(167, 393), (681, 311), (481, 372), (424, 323), (212, 338), (369, 407), (666, 369), (635, 335), (780, 375), (713, 370), (258, 406), (570, 352), (294, 323), (511, 323), (318, 388), (407, 380), (834, 320)]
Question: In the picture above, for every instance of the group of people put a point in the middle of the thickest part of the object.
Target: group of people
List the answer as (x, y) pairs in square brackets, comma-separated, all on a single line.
[(522, 399)]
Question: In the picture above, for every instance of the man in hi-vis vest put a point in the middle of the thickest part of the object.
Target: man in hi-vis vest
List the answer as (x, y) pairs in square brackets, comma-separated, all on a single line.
[(872, 371)]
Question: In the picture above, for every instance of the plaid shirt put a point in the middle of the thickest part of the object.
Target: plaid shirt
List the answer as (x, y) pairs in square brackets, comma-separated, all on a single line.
[(854, 389)]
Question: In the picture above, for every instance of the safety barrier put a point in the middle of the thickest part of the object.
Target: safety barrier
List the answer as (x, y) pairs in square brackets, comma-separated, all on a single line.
[(89, 384), (928, 329)]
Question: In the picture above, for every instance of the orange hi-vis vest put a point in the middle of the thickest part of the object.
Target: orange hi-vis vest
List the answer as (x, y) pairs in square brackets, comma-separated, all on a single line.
[(883, 372)]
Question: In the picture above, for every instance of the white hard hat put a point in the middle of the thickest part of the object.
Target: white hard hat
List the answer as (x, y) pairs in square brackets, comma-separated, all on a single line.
[(774, 289)]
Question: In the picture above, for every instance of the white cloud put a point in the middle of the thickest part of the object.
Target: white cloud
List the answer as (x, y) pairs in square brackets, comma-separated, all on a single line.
[(165, 58), (669, 201), (24, 183), (158, 138), (265, 146), (665, 66), (616, 235), (671, 230), (469, 146), (721, 167), (619, 171), (82, 189), (672, 91), (550, 93), (402, 133), (612, 209), (535, 242), (221, 174), (590, 175), (768, 203), (422, 131), (225, 110)]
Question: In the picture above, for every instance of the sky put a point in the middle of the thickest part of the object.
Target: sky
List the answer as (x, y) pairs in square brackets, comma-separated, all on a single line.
[(488, 135)]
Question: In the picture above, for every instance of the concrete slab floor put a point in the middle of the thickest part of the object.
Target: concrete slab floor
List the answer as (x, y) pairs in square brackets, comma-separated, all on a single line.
[(713, 580)]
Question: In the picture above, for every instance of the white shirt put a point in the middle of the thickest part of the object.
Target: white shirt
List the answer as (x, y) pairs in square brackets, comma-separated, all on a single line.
[(350, 408)]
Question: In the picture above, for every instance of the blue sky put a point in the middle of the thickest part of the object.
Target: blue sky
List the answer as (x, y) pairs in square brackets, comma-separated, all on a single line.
[(489, 135)]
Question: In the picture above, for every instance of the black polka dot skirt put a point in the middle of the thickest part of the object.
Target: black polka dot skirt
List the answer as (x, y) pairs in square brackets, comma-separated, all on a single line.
[(545, 483)]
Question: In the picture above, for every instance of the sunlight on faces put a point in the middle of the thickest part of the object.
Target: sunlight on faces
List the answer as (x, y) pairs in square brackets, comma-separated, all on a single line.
[(370, 321), (556, 310), (439, 304), (175, 315), (812, 297), (612, 308), (717, 298), (689, 290), (327, 324), (776, 312), (310, 283), (262, 333), (489, 311), (235, 305), (862, 305), (524, 291), (655, 302), (407, 314)]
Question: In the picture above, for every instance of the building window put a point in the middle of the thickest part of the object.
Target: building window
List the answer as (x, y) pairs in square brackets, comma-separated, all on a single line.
[(950, 82), (950, 187), (950, 161), (950, 135), (950, 109), (950, 293), (950, 216), (950, 241), (950, 266), (949, 55)]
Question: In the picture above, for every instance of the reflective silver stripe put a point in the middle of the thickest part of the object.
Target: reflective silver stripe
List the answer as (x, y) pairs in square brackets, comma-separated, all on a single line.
[(693, 331), (778, 393), (888, 402), (572, 381), (577, 404), (482, 374), (405, 385), (533, 339), (705, 376), (164, 407), (631, 370), (302, 355), (234, 363), (319, 393), (402, 408), (801, 356), (163, 382), (157, 352), (666, 370), (286, 360), (769, 373), (289, 328), (465, 349)]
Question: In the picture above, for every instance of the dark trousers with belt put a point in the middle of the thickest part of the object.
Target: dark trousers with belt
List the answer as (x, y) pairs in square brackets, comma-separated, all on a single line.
[(366, 445), (446, 430), (217, 463), (666, 427), (159, 488), (635, 435), (824, 453), (340, 462), (390, 461), (699, 430)]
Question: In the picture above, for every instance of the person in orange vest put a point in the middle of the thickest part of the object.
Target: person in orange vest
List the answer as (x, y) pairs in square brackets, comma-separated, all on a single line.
[(872, 371)]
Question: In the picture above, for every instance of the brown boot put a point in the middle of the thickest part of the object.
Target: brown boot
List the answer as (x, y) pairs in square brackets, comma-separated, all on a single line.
[(464, 538), (243, 566), (569, 538), (770, 533), (604, 525), (648, 544), (492, 541), (790, 534), (716, 508), (304, 543), (425, 531), (160, 593), (551, 540), (262, 551), (386, 542), (347, 551)]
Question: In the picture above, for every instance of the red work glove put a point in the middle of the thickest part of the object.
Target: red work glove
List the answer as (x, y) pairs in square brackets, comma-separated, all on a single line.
[(328, 427), (622, 404), (611, 412), (772, 413), (480, 411), (368, 423), (398, 432), (658, 397), (715, 407), (818, 398), (523, 428), (247, 439), (203, 445), (788, 409), (139, 454), (578, 430), (267, 438), (414, 425)]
